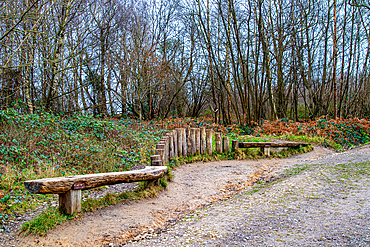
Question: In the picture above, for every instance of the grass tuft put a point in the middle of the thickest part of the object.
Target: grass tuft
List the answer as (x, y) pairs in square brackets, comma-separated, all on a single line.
[(47, 220)]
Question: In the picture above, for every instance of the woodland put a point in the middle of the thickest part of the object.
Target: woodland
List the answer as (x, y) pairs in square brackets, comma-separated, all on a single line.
[(90, 86), (231, 60)]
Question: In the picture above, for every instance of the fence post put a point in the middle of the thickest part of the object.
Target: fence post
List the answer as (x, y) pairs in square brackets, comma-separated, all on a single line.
[(165, 141), (184, 142), (209, 135), (202, 140), (226, 144), (218, 142), (171, 150), (179, 141), (197, 140), (160, 150), (175, 147), (192, 141)]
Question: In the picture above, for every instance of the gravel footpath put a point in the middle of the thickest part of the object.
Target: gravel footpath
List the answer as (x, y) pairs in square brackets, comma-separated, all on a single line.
[(327, 203)]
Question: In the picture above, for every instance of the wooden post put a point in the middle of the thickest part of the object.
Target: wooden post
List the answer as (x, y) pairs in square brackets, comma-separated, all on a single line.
[(70, 202), (165, 140), (193, 141), (202, 140), (188, 141), (184, 143), (266, 150), (235, 145), (155, 160), (179, 141), (218, 142), (197, 140), (226, 144), (171, 148), (161, 146), (209, 136), (175, 147), (161, 153)]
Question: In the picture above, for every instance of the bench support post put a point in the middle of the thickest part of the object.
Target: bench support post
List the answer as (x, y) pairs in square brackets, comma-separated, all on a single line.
[(235, 145), (70, 202), (266, 150)]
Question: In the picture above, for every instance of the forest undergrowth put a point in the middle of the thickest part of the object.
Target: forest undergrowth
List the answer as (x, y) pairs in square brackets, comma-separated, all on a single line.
[(43, 145)]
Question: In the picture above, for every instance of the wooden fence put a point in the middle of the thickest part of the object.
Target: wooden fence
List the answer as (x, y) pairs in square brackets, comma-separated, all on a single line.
[(190, 141)]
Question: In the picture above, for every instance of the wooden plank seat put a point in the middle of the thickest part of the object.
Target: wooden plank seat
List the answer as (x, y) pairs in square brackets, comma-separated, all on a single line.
[(69, 188), (265, 146)]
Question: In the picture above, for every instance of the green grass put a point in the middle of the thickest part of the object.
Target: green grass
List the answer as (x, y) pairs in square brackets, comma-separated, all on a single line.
[(47, 220), (35, 146)]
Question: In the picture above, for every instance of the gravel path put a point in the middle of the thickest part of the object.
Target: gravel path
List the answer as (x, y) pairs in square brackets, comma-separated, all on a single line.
[(326, 204)]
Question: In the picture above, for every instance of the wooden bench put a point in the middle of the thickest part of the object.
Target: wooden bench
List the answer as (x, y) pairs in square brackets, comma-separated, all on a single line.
[(69, 188), (266, 146)]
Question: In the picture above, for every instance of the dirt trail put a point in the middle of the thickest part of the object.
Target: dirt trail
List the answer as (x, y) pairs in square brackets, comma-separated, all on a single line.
[(194, 186)]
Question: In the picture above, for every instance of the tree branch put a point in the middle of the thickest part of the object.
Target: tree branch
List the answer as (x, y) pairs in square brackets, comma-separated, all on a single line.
[(19, 21)]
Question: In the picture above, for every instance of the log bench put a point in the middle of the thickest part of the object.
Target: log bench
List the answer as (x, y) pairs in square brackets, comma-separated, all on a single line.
[(265, 146), (69, 188)]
